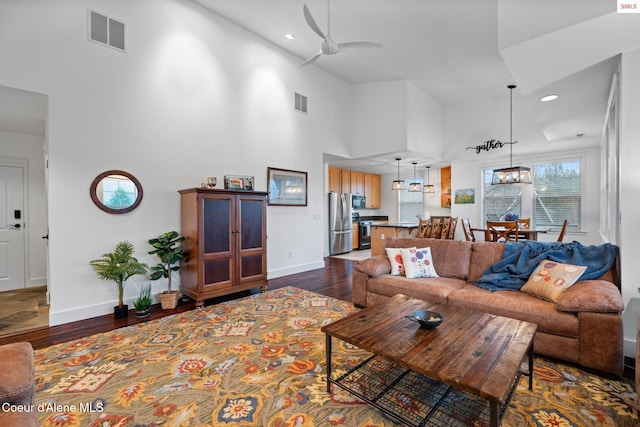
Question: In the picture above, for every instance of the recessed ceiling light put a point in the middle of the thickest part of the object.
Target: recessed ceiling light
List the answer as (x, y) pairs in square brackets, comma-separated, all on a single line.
[(548, 98), (290, 36)]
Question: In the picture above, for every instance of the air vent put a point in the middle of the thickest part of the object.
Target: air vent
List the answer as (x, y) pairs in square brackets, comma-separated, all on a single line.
[(106, 31), (300, 103)]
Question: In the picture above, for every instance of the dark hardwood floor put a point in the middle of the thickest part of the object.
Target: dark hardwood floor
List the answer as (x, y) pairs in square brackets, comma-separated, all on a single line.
[(334, 281)]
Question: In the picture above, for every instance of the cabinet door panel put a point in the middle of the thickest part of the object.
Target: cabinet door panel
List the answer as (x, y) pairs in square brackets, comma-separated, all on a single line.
[(251, 224), (217, 272), (251, 266), (216, 225)]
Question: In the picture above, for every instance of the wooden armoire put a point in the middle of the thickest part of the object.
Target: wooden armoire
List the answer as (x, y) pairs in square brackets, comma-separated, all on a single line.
[(225, 242)]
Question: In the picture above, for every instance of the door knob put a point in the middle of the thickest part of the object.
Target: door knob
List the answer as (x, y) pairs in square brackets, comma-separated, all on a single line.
[(14, 226)]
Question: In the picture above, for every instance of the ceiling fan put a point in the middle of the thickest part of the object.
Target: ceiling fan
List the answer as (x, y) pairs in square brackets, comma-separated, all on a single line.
[(329, 46)]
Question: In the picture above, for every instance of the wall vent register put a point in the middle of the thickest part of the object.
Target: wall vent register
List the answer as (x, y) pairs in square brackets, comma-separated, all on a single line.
[(299, 102), (106, 31)]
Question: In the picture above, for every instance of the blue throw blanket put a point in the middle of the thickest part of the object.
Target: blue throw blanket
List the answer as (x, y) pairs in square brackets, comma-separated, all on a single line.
[(521, 258)]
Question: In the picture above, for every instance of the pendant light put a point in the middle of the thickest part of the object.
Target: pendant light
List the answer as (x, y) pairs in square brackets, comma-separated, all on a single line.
[(414, 187), (428, 188), (398, 184), (511, 175)]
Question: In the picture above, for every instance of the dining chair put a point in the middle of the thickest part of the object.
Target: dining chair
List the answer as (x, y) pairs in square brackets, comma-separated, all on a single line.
[(507, 230), (423, 227), (523, 223), (466, 229), (563, 230), (451, 230), (435, 231)]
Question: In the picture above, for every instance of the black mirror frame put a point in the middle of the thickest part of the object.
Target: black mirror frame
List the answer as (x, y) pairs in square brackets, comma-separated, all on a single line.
[(100, 205)]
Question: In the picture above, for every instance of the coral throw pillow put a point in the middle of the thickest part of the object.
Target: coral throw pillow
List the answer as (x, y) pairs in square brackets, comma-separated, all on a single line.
[(395, 258), (550, 279), (418, 263)]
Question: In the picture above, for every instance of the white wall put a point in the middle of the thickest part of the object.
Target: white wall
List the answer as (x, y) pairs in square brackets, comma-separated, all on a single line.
[(30, 148), (193, 96), (629, 193)]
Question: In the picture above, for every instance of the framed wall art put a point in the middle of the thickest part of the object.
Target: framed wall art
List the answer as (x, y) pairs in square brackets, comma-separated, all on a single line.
[(466, 196), (233, 182), (286, 187)]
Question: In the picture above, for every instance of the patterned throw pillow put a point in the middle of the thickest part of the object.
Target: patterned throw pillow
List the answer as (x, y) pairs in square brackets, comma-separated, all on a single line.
[(550, 279), (418, 263), (395, 258)]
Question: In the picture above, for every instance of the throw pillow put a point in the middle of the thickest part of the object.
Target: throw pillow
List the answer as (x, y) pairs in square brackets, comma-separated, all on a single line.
[(395, 259), (550, 279), (418, 263)]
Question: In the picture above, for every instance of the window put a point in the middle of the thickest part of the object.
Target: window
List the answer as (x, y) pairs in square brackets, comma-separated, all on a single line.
[(557, 189), (555, 195), (411, 207)]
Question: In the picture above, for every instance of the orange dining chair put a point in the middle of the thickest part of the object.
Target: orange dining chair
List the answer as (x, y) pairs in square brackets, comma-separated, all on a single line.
[(450, 233), (507, 230), (563, 230)]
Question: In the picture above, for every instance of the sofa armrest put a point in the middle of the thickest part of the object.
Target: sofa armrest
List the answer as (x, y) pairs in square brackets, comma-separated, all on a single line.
[(375, 266), (596, 296)]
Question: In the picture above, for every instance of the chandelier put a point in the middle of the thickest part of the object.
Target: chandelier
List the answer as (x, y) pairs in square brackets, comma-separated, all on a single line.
[(511, 175)]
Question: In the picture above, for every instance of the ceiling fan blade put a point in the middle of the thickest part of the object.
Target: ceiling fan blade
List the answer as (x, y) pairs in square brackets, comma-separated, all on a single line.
[(312, 22), (310, 60), (359, 45)]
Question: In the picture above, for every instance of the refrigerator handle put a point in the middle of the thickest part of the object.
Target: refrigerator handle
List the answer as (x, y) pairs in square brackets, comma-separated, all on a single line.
[(342, 232)]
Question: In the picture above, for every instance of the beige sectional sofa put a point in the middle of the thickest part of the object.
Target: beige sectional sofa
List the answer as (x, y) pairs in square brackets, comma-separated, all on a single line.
[(584, 326)]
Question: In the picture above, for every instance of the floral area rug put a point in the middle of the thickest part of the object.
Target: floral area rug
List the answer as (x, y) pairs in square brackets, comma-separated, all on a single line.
[(260, 361)]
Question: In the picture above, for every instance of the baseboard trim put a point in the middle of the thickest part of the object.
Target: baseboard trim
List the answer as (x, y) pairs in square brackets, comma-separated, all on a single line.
[(295, 269)]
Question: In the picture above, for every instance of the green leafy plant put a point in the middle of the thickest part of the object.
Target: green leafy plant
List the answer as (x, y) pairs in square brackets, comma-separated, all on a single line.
[(144, 301), (118, 266), (170, 253)]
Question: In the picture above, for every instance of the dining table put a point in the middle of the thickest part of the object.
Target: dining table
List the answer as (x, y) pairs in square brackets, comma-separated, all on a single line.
[(528, 233)]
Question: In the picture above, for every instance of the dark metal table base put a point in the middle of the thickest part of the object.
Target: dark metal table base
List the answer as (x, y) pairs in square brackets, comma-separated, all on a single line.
[(415, 400)]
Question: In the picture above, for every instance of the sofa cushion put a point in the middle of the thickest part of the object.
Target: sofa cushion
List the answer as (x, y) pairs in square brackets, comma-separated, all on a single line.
[(517, 305), (418, 263), (596, 296), (451, 258), (429, 289), (550, 279), (375, 266), (483, 255)]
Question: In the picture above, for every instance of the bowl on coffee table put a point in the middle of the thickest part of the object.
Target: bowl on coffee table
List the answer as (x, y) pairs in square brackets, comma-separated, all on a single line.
[(427, 319)]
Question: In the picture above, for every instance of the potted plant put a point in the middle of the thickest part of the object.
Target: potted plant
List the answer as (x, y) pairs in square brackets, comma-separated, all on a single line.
[(118, 266), (170, 253), (143, 302)]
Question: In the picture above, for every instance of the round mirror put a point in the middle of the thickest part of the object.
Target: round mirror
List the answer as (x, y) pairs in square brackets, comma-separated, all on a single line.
[(116, 192)]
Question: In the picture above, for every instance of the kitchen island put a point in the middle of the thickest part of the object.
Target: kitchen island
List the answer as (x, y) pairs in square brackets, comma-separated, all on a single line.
[(383, 230)]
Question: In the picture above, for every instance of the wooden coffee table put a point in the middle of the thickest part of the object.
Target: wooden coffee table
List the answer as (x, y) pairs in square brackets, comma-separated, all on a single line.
[(472, 356)]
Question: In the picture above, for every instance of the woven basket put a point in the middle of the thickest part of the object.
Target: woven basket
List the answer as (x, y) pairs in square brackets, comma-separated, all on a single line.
[(169, 301)]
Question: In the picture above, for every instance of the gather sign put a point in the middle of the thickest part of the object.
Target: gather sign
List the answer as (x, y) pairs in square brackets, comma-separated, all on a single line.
[(490, 145)]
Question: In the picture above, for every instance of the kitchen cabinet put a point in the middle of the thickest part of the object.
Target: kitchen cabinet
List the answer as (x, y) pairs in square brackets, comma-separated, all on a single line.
[(345, 177), (372, 190), (357, 183), (445, 187), (354, 236), (335, 180), (225, 242)]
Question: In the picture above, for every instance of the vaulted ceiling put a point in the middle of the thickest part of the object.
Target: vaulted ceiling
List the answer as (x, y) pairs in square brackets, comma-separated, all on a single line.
[(466, 50)]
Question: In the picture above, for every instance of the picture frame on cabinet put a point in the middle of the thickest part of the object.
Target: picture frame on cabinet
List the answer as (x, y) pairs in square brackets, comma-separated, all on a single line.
[(233, 182), (286, 187)]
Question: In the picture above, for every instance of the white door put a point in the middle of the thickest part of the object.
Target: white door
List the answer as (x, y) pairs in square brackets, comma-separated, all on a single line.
[(11, 228)]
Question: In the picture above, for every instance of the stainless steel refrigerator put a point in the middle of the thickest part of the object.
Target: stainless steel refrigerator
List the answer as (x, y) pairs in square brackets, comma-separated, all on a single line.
[(340, 240)]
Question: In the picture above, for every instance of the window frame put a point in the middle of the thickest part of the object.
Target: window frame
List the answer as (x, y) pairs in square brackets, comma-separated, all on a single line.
[(528, 203)]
